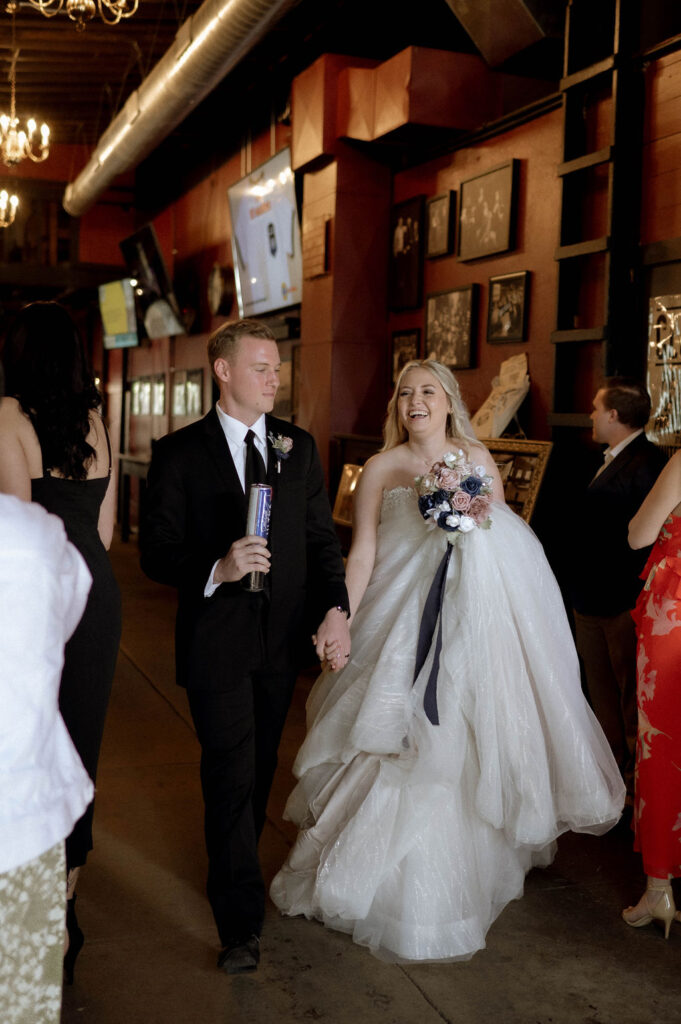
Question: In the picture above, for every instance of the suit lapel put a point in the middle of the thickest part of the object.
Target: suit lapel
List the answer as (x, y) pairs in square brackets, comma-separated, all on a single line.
[(216, 442), (272, 460), (619, 463)]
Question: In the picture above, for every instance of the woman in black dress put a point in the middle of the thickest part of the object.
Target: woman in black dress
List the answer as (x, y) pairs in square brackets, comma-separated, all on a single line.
[(56, 451)]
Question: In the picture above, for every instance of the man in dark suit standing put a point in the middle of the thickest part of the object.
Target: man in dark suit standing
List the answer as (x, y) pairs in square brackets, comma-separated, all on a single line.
[(606, 571), (236, 650)]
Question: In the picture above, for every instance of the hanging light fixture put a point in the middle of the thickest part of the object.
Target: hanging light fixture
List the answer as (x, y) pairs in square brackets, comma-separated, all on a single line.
[(82, 11), (8, 208), (16, 143)]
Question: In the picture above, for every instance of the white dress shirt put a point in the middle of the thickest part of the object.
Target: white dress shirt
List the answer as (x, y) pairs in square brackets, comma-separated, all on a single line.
[(614, 452), (44, 583), (235, 434)]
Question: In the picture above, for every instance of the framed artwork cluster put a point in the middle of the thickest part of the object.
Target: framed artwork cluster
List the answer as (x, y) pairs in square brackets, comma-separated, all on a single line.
[(477, 222), (483, 225)]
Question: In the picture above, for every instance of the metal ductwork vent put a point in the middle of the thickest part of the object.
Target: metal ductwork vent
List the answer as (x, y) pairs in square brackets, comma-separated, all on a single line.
[(502, 28), (209, 44)]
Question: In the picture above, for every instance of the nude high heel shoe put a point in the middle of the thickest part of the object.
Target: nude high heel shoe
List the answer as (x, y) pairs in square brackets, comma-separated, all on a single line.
[(660, 908)]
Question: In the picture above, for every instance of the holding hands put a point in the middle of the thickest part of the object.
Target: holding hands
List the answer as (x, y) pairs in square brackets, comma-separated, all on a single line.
[(332, 640)]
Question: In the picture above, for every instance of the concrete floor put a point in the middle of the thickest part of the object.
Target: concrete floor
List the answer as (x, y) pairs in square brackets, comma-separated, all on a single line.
[(560, 955)]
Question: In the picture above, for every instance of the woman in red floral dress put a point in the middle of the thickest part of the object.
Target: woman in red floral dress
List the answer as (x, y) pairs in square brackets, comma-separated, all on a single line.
[(657, 807)]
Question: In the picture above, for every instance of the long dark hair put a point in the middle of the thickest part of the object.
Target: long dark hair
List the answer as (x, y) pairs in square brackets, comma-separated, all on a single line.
[(46, 371)]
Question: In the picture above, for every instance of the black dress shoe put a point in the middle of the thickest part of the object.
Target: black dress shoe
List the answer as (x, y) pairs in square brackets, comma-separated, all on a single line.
[(240, 957)]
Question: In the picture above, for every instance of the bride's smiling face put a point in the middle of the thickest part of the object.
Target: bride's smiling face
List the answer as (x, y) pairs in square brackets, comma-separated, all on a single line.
[(422, 403)]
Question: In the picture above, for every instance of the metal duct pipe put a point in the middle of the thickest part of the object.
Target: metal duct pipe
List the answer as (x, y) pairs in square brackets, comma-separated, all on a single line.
[(208, 45)]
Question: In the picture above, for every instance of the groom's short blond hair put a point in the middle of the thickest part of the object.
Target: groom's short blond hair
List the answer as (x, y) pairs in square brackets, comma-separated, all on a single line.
[(224, 342)]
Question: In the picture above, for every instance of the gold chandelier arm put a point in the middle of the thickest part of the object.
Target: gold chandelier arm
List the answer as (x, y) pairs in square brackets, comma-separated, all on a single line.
[(45, 6), (38, 158), (117, 9)]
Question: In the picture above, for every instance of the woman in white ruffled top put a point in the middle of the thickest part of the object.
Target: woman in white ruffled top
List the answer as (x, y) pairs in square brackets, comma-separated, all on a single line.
[(444, 759)]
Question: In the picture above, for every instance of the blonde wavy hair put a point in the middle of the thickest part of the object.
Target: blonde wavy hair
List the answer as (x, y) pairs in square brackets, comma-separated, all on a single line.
[(458, 422)]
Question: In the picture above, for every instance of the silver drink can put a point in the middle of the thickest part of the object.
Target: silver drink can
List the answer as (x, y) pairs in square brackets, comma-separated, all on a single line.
[(258, 524)]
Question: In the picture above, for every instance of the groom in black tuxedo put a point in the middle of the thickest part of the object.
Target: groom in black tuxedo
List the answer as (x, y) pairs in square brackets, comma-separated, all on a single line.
[(236, 651), (606, 571)]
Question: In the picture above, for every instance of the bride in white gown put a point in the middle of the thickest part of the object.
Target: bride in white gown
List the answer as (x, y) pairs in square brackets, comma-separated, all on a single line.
[(415, 835)]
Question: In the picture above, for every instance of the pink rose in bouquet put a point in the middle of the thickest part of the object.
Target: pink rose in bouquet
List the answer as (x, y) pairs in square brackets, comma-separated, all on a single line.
[(479, 509), (460, 501), (448, 479)]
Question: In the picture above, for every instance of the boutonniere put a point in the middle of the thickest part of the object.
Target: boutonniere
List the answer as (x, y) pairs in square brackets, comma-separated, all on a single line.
[(282, 447)]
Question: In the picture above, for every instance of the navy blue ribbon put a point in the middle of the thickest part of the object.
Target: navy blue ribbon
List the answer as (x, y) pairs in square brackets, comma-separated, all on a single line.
[(432, 617)]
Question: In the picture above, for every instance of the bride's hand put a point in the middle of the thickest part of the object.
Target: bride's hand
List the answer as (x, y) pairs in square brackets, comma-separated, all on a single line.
[(332, 640)]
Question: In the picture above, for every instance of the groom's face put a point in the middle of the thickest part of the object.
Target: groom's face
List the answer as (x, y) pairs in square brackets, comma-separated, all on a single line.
[(249, 379)]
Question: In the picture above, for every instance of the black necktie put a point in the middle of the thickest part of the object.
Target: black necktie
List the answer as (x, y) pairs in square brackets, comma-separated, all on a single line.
[(254, 467)]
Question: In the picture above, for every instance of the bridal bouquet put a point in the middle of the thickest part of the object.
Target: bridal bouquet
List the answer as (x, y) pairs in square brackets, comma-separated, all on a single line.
[(455, 495)]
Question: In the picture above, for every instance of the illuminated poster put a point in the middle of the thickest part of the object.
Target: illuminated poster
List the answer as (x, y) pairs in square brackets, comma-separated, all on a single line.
[(266, 238), (117, 308)]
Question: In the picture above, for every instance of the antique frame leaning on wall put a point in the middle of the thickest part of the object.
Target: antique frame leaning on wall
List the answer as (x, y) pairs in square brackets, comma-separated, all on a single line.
[(342, 506), (521, 465)]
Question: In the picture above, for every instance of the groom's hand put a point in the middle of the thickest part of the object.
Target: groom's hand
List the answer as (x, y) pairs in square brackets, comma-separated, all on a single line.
[(332, 640), (248, 554)]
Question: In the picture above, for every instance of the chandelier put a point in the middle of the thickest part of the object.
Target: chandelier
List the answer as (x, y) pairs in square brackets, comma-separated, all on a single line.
[(16, 143), (82, 11), (8, 208)]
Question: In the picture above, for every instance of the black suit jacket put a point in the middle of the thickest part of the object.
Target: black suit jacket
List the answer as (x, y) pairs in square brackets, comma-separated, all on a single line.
[(195, 509), (606, 571)]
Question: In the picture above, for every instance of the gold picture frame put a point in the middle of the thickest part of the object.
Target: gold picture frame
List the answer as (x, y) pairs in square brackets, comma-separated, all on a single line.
[(522, 465), (342, 506)]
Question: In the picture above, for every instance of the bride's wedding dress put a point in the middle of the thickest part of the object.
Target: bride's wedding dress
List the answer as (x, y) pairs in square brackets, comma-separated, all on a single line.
[(415, 836)]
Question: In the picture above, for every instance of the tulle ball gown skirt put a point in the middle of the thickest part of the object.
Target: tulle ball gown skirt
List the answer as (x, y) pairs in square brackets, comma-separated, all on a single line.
[(413, 836)]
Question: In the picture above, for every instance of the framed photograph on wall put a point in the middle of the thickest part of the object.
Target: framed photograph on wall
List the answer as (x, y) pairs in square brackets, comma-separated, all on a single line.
[(440, 218), (522, 465), (488, 211), (158, 395), (406, 254), (507, 307), (451, 319), (135, 397), (145, 396), (179, 406), (405, 346), (194, 386)]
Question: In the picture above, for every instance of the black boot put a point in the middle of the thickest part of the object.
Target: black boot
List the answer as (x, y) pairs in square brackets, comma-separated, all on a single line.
[(76, 940)]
